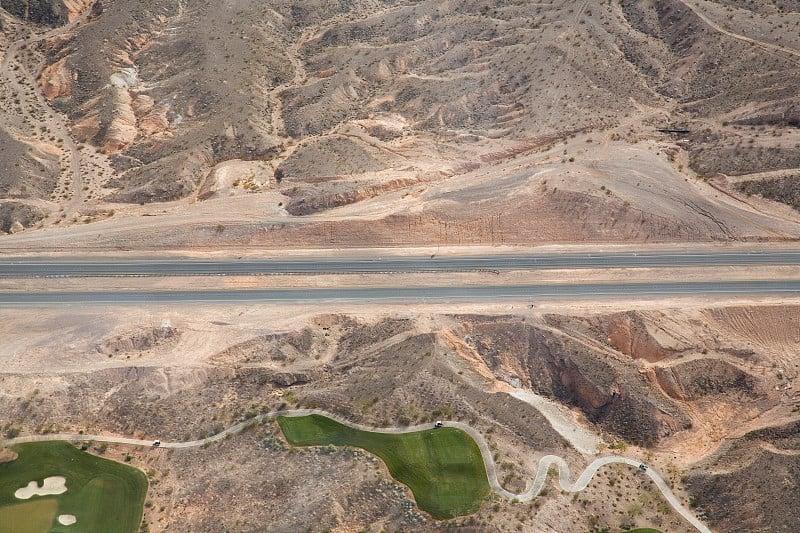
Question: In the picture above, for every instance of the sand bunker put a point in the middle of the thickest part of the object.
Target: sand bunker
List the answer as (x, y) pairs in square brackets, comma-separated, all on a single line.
[(51, 485), (67, 519)]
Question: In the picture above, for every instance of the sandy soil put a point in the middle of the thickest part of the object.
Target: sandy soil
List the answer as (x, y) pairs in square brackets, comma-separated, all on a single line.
[(568, 154), (6, 455), (51, 485), (67, 519), (614, 194), (563, 421)]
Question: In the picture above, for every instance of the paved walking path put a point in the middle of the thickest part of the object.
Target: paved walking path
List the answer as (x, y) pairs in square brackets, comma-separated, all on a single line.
[(538, 483)]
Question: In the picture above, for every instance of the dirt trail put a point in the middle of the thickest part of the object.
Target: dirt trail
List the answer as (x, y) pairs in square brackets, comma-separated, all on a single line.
[(769, 174), (782, 51), (563, 421), (11, 73)]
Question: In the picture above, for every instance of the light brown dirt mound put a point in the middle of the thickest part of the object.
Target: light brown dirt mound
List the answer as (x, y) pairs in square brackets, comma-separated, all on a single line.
[(628, 334), (774, 329), (327, 158), (277, 350), (139, 340), (25, 170), (16, 216), (785, 189), (6, 455), (647, 335), (313, 199), (705, 377)]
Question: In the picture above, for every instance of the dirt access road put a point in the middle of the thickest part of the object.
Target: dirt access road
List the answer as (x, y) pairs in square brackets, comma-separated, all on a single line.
[(782, 51)]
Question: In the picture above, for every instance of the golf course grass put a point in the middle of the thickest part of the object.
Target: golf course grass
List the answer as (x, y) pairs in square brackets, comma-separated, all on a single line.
[(103, 495), (442, 467)]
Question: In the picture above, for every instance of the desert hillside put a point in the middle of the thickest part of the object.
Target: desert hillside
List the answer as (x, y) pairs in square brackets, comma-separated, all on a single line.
[(704, 394), (291, 123), (340, 165)]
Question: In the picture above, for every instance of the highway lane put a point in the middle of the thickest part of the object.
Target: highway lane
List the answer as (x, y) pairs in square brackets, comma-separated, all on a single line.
[(418, 294), (76, 267)]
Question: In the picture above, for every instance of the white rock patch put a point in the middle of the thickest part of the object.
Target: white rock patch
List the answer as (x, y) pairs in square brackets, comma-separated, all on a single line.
[(51, 485), (563, 421), (67, 519), (125, 78)]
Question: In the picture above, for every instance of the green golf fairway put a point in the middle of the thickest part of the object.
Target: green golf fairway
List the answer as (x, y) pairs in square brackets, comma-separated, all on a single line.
[(443, 467), (103, 495), (29, 517)]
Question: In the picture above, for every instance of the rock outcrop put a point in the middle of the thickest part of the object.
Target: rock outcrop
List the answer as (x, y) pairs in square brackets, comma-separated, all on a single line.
[(39, 11), (122, 130), (611, 394), (73, 8), (750, 484), (50, 12), (27, 169), (56, 80), (16, 216), (310, 200), (699, 378)]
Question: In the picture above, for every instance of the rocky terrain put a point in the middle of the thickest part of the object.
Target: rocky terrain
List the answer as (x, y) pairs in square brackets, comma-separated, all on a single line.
[(434, 121), (784, 189), (762, 465), (704, 394), (243, 126), (50, 12)]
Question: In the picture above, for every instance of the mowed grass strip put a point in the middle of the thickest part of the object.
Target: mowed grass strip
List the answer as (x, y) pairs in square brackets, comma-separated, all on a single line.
[(443, 467), (102, 494), (29, 517)]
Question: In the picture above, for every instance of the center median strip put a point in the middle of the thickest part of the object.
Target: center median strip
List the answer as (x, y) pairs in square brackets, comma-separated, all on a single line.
[(20, 267), (442, 293)]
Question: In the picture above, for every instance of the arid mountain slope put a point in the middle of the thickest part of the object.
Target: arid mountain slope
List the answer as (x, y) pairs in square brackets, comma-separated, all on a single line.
[(303, 108), (750, 484), (50, 12), (705, 395)]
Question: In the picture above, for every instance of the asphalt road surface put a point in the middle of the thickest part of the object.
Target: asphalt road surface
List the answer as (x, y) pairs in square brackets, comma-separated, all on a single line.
[(405, 294), (18, 267)]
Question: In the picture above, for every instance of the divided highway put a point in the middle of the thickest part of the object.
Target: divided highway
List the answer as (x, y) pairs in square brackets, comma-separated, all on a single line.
[(19, 267), (420, 294)]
